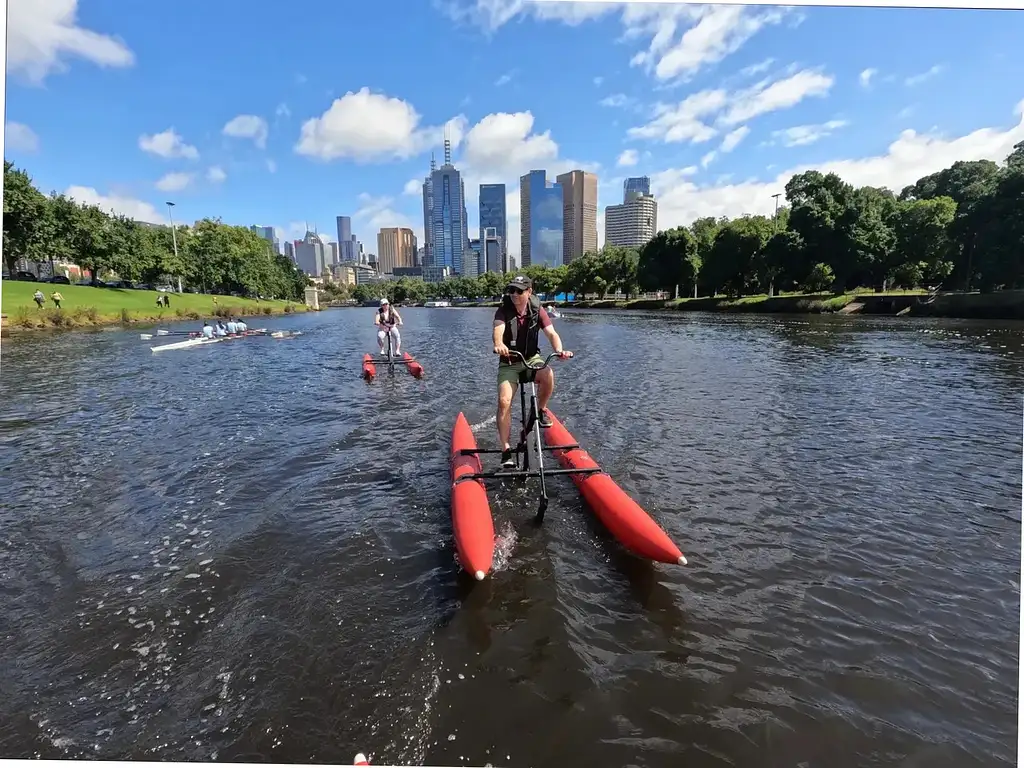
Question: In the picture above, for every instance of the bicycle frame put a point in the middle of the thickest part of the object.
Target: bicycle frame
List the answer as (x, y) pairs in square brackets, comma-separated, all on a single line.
[(529, 426)]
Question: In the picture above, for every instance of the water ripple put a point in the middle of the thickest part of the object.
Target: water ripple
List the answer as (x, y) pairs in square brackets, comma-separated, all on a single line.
[(245, 553)]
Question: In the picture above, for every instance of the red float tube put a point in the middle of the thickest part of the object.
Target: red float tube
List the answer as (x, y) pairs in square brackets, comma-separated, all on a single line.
[(471, 512), (622, 516)]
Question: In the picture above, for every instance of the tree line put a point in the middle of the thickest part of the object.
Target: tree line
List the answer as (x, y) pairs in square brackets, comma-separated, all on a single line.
[(960, 228), (210, 256)]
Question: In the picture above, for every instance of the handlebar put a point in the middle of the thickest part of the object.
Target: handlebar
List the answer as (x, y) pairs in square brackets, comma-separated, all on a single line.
[(534, 367)]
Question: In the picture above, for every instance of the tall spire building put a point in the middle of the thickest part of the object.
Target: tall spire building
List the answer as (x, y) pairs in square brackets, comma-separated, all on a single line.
[(448, 225)]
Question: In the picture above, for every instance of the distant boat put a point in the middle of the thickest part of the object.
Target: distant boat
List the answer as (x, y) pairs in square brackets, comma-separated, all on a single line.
[(552, 312), (437, 304)]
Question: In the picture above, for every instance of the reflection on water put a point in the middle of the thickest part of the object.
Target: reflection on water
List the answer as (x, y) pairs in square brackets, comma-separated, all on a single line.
[(244, 553)]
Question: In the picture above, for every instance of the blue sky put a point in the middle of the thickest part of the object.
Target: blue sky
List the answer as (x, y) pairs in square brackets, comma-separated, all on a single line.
[(239, 110)]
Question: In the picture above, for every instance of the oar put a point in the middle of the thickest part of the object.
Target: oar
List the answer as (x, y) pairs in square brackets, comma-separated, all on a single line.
[(146, 336)]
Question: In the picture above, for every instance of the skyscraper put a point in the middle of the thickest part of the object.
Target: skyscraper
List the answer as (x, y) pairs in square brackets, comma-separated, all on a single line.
[(473, 258), (428, 207), (541, 207), (579, 214), (492, 211), (266, 233), (396, 247), (494, 257), (449, 230), (641, 184), (632, 224), (346, 240), (309, 254)]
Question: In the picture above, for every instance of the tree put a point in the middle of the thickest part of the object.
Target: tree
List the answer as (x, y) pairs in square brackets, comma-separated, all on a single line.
[(27, 227), (669, 260)]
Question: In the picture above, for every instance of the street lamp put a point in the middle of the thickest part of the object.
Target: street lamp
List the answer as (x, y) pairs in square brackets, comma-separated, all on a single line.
[(775, 231), (174, 240)]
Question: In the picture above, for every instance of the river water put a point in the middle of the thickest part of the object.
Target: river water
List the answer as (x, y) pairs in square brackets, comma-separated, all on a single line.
[(244, 552)]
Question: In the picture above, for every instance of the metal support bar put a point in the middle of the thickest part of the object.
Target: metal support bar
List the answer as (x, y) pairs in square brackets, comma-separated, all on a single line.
[(511, 473)]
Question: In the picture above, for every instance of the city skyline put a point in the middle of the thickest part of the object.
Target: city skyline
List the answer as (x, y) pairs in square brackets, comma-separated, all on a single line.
[(880, 96)]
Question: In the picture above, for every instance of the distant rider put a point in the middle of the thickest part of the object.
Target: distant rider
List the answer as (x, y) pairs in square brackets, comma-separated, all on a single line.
[(388, 319), (517, 325)]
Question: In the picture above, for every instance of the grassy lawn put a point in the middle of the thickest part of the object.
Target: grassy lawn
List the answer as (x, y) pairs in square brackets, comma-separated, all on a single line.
[(84, 305)]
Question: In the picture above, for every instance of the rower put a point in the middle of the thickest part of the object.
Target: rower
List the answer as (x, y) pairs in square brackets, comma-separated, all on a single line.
[(207, 331), (231, 327), (240, 326), (220, 330)]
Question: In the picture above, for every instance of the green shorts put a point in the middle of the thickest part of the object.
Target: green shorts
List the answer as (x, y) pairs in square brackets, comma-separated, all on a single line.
[(510, 373)]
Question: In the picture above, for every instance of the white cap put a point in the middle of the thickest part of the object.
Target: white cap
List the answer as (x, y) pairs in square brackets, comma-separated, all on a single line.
[(384, 301)]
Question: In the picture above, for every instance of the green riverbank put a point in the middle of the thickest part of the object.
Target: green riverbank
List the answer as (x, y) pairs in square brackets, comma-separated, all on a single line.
[(1001, 305), (84, 306)]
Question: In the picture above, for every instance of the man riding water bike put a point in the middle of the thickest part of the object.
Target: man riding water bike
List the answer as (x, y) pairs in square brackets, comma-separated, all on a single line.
[(517, 326), (388, 318)]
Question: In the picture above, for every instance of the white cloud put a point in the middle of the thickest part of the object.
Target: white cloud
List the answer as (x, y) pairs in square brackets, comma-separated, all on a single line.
[(908, 158), (733, 139), (413, 187), (866, 75), (598, 80), (126, 206), (709, 158), (628, 158), (20, 138), (720, 30), (271, 166), (682, 38), (376, 213), (906, 112), (756, 69), (684, 122), (167, 144), (920, 78), (490, 15), (366, 126), (174, 182), (216, 175), (782, 94), (504, 79), (615, 100), (802, 135), (43, 34), (503, 145), (283, 110), (248, 127), (690, 120)]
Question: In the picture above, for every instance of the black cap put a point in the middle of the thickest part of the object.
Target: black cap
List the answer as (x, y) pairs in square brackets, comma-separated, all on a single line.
[(520, 281)]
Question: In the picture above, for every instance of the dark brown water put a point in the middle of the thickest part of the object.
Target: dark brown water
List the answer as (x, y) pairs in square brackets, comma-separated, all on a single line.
[(243, 551)]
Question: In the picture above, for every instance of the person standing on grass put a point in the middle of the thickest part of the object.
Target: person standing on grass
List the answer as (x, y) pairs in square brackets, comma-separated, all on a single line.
[(38, 298), (56, 298)]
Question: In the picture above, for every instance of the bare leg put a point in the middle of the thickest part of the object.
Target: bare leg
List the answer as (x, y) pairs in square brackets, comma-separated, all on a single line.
[(504, 414), (545, 387)]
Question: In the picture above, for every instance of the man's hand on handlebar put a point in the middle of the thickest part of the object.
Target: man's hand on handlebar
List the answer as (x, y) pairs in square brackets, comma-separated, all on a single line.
[(564, 354), (501, 349)]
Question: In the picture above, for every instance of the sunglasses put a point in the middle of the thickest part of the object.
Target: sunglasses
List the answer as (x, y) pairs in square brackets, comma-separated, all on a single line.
[(517, 291)]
